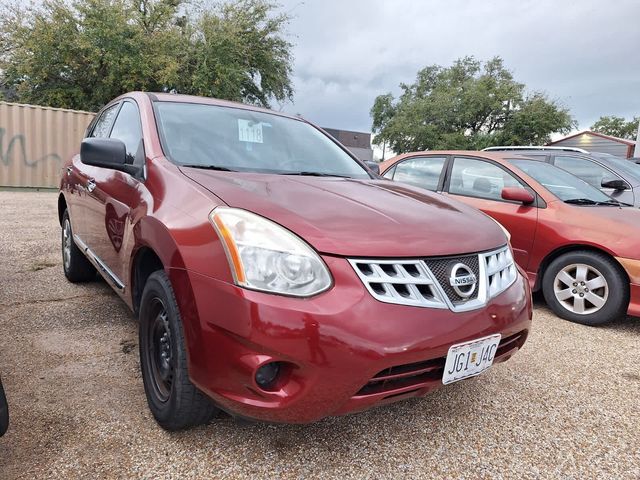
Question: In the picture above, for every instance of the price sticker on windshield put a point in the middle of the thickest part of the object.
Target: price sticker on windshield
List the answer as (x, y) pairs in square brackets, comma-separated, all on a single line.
[(249, 131)]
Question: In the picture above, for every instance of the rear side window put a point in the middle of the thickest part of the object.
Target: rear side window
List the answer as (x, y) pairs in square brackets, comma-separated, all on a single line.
[(103, 125), (421, 172), (477, 178), (590, 172), (127, 128)]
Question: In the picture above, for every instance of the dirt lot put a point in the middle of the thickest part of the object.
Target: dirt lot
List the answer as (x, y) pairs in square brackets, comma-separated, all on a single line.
[(565, 407)]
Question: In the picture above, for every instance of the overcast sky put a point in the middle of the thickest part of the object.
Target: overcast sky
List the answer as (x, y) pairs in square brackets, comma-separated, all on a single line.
[(585, 54)]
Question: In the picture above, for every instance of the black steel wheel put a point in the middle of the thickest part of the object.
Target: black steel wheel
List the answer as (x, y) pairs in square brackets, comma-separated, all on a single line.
[(173, 400)]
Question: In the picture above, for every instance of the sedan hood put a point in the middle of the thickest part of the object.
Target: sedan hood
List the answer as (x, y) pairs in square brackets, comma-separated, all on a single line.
[(357, 218)]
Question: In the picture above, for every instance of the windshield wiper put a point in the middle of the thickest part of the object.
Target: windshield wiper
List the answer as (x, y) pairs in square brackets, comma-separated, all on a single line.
[(210, 167), (581, 201), (588, 201), (615, 203), (315, 174)]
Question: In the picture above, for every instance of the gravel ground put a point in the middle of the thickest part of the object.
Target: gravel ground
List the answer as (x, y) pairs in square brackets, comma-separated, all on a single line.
[(565, 407)]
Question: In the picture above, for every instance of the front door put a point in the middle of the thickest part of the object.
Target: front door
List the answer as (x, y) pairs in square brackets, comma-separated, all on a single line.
[(479, 183), (114, 196)]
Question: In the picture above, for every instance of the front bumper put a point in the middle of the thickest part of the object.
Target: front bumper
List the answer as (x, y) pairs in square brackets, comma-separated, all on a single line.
[(339, 348), (632, 267)]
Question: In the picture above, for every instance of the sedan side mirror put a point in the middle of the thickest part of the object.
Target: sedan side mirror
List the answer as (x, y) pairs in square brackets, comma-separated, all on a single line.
[(373, 166), (107, 153), (614, 184), (517, 194)]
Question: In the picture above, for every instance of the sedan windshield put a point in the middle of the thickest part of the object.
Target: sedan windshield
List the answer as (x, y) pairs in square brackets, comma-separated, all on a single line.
[(562, 184), (625, 166), (235, 139)]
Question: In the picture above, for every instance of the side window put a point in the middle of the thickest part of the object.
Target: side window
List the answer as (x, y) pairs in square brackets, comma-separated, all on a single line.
[(103, 124), (590, 172), (389, 173), (127, 128), (477, 178), (421, 172)]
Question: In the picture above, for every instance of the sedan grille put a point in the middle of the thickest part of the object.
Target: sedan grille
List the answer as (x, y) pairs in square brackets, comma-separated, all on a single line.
[(460, 283)]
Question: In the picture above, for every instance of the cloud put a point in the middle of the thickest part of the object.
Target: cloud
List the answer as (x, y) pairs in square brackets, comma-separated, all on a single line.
[(582, 53)]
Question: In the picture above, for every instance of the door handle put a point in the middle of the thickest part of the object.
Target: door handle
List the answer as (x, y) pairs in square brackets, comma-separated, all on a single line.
[(69, 170), (91, 186)]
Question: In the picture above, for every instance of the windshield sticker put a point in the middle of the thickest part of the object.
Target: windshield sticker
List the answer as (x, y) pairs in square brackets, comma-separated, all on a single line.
[(249, 131)]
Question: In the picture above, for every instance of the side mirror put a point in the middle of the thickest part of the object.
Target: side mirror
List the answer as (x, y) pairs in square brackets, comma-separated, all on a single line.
[(373, 166), (614, 184), (517, 194), (107, 153)]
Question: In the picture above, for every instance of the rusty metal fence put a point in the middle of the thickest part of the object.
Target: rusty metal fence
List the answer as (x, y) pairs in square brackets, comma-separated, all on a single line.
[(35, 140)]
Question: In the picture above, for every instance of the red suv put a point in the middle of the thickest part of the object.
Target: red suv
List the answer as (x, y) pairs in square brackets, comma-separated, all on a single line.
[(273, 276), (578, 245)]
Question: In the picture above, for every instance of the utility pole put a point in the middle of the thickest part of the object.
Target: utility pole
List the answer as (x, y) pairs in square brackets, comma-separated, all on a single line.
[(636, 153)]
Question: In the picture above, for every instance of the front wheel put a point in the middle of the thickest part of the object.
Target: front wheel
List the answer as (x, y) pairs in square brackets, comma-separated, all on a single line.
[(586, 287), (173, 400)]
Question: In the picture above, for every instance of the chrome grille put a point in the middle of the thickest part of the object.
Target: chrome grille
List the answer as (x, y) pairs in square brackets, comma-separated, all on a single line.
[(396, 281), (501, 271), (426, 282), (441, 269)]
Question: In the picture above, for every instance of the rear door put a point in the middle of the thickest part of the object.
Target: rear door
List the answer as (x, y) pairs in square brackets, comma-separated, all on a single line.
[(479, 183)]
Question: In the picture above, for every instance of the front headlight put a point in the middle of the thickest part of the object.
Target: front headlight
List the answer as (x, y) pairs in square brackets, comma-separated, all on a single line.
[(265, 256)]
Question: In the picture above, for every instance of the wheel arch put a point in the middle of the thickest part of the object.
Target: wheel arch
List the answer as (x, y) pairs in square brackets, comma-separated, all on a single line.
[(155, 249), (575, 247), (145, 262), (62, 206)]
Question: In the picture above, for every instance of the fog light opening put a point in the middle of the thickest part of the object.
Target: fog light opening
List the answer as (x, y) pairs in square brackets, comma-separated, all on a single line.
[(267, 375)]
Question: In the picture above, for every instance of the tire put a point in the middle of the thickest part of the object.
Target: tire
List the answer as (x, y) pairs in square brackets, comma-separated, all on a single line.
[(173, 400), (77, 267), (586, 287), (4, 412)]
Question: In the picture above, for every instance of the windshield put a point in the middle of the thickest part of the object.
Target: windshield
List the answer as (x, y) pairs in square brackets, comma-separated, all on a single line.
[(226, 138), (625, 166), (559, 182)]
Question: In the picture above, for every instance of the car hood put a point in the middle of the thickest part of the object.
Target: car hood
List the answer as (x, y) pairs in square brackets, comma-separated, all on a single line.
[(359, 218)]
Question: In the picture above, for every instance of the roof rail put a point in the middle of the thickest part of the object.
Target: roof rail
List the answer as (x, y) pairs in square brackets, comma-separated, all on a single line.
[(506, 148)]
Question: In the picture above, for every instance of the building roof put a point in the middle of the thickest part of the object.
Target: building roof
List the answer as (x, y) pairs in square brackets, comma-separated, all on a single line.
[(596, 134)]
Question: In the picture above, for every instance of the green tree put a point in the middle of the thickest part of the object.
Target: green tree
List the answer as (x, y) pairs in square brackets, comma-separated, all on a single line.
[(469, 105), (617, 127), (82, 53)]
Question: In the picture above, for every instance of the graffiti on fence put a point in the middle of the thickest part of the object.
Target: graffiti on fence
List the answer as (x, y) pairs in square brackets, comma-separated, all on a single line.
[(17, 145)]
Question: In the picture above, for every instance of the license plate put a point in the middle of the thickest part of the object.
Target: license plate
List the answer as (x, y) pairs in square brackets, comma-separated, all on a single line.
[(468, 359)]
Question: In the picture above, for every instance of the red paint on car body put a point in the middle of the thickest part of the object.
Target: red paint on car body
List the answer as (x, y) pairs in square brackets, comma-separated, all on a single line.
[(333, 343)]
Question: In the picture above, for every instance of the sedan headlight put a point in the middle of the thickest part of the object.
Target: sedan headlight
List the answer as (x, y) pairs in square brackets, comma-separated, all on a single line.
[(265, 256)]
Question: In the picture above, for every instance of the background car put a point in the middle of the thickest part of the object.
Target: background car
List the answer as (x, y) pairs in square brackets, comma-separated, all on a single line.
[(617, 177), (240, 238), (577, 244)]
